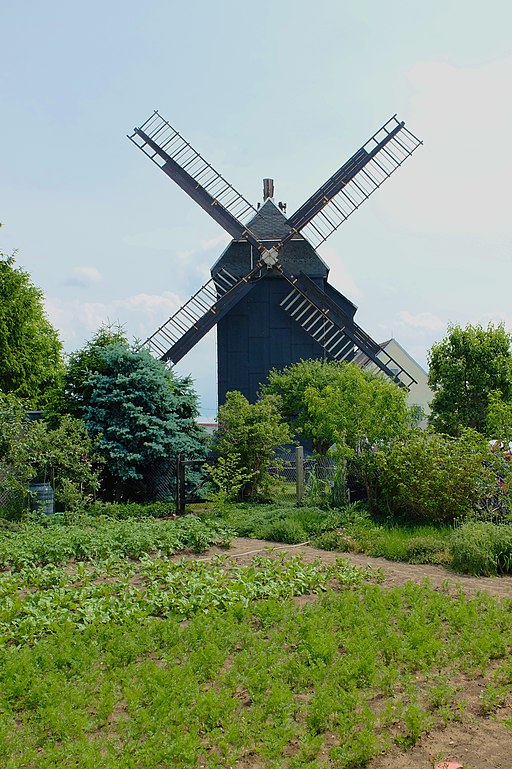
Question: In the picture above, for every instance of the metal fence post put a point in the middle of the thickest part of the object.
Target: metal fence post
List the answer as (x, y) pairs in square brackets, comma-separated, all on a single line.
[(299, 473), (180, 485)]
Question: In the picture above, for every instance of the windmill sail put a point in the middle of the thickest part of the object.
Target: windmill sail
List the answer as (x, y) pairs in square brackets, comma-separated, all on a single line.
[(196, 317), (336, 332), (267, 329), (354, 182), (184, 165)]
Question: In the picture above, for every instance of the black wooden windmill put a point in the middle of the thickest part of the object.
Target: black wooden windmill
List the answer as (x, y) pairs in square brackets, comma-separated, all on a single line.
[(268, 293)]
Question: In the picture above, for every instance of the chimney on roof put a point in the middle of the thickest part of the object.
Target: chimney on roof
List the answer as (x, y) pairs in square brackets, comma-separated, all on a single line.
[(268, 189)]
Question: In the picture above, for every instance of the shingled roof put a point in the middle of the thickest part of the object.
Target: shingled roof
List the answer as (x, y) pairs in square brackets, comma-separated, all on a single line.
[(270, 226)]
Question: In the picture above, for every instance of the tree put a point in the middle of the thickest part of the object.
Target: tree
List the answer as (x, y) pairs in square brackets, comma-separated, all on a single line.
[(328, 402), (81, 364), (248, 435), (30, 350), (361, 408), (357, 413), (499, 418), (291, 385), (141, 416), (464, 369)]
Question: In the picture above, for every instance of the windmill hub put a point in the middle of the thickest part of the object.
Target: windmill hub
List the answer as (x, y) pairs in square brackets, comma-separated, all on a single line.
[(271, 258)]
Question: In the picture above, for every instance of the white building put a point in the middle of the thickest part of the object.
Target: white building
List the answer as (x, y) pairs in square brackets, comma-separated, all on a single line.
[(420, 393)]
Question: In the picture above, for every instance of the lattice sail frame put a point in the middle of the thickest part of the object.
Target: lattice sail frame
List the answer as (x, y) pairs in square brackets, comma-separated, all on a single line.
[(167, 148), (354, 182)]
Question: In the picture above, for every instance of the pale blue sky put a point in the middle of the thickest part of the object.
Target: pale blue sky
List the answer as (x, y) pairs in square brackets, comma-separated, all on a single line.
[(282, 89)]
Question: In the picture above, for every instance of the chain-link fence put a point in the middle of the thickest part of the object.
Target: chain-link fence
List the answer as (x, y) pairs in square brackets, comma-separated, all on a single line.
[(297, 479), (303, 479)]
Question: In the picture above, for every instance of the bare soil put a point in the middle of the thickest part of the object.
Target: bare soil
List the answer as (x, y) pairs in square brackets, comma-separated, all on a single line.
[(479, 742)]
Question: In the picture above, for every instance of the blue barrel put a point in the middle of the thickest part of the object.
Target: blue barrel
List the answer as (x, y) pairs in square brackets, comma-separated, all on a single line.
[(41, 500)]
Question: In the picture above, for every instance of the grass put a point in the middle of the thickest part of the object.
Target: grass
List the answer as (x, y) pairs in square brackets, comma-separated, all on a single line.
[(351, 529), (480, 548)]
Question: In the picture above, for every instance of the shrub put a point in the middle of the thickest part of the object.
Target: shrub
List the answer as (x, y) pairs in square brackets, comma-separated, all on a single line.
[(247, 439), (284, 530), (32, 451), (333, 540), (482, 549), (433, 477)]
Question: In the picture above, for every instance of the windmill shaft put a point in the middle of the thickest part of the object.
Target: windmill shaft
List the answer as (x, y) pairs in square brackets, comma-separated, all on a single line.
[(185, 166), (328, 190), (197, 316), (189, 185)]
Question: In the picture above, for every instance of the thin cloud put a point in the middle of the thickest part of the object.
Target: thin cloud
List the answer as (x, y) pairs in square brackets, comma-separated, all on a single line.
[(140, 314), (84, 277), (422, 320)]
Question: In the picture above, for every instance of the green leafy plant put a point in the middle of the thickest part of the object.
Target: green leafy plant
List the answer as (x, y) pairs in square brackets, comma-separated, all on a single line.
[(30, 349), (469, 368), (433, 477), (247, 438), (32, 451), (228, 477), (482, 548)]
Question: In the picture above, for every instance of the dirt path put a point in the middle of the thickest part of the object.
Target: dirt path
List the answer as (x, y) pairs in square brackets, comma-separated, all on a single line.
[(244, 549)]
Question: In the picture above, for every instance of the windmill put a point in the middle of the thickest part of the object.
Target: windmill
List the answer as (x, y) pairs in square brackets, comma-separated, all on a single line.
[(268, 294)]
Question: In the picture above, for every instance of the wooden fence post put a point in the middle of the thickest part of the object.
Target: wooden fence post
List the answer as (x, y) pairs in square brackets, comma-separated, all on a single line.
[(299, 473)]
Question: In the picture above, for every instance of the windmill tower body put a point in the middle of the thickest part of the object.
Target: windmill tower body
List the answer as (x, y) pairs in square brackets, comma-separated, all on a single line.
[(257, 335), (268, 295)]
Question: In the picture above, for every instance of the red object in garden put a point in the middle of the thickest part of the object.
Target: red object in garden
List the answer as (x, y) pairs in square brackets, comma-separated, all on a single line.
[(449, 765)]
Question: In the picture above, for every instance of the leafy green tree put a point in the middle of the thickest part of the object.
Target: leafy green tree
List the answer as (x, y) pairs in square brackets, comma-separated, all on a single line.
[(358, 412), (361, 408), (291, 384), (465, 368), (31, 362), (248, 436), (499, 418), (141, 416)]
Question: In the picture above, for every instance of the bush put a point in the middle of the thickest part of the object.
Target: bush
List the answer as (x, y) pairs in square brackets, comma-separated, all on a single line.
[(482, 549), (284, 530), (32, 451), (247, 438), (432, 477), (333, 540)]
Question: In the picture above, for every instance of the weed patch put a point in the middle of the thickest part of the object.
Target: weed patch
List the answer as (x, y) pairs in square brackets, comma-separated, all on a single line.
[(482, 548)]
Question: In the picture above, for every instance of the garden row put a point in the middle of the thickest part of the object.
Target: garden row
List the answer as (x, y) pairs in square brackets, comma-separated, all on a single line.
[(331, 683)]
